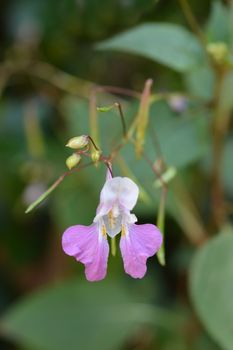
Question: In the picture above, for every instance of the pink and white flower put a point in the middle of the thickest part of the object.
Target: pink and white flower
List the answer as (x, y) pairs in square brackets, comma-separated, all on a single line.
[(89, 244)]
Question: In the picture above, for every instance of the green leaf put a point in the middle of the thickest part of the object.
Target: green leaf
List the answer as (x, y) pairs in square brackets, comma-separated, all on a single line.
[(218, 28), (211, 287), (200, 82), (183, 140), (230, 11), (169, 44), (82, 315), (105, 108)]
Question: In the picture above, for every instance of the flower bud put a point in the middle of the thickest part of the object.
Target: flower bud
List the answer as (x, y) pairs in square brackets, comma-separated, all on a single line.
[(178, 103), (73, 160), (95, 155), (218, 50), (78, 142)]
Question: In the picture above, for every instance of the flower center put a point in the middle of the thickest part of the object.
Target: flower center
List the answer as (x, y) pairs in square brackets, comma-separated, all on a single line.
[(112, 222)]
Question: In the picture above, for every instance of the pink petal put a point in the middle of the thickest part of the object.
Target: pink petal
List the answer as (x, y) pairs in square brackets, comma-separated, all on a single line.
[(89, 246), (137, 244)]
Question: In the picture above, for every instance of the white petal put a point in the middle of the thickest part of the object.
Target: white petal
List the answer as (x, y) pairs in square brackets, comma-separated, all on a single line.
[(120, 190), (129, 218), (102, 209)]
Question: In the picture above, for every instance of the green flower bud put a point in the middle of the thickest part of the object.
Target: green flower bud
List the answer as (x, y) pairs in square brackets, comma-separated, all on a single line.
[(78, 142), (72, 161), (218, 50), (95, 155)]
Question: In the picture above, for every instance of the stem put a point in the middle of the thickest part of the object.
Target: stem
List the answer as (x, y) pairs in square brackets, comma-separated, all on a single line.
[(93, 143), (219, 128), (109, 166), (113, 246), (58, 78), (161, 224), (118, 105), (128, 136), (192, 21), (143, 117), (164, 185), (157, 146), (93, 118), (52, 187), (186, 213)]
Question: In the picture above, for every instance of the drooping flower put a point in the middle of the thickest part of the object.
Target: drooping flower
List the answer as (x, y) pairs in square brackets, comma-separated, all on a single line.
[(89, 244)]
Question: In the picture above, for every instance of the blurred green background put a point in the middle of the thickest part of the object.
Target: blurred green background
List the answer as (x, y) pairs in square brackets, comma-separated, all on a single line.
[(52, 55)]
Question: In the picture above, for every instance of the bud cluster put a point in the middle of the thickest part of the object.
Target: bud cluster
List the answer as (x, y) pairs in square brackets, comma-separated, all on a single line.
[(81, 145), (76, 143)]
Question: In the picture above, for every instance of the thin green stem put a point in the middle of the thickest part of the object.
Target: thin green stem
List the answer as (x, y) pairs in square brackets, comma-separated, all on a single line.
[(161, 225), (53, 186), (118, 105), (219, 128), (113, 246), (93, 143)]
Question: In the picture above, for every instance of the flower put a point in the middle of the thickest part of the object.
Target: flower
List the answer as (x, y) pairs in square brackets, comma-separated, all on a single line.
[(89, 244)]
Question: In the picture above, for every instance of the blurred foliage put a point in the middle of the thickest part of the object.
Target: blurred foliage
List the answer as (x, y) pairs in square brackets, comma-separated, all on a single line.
[(103, 322), (212, 271), (54, 58)]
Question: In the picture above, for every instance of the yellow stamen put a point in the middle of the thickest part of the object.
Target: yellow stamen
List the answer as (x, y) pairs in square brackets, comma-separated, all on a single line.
[(104, 232), (123, 230), (111, 220)]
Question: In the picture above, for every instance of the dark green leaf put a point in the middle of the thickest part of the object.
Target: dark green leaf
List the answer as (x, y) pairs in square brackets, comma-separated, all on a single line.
[(218, 26), (200, 82), (165, 43), (80, 315), (211, 287)]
